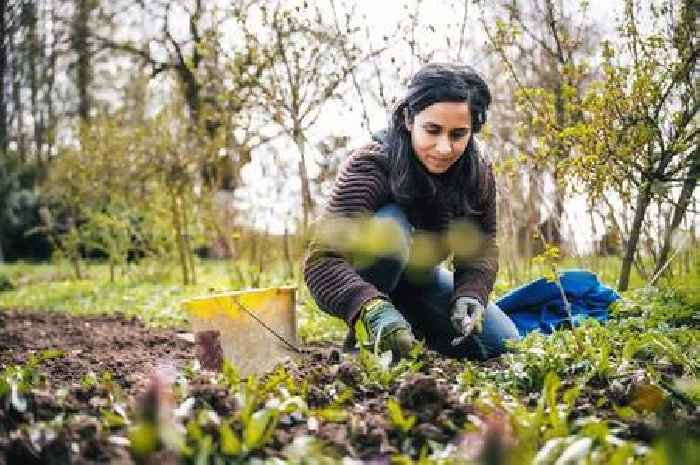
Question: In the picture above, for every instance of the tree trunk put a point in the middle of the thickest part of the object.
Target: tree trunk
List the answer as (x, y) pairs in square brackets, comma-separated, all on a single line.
[(17, 107), (555, 232), (76, 267), (189, 252), (261, 257), (80, 47), (512, 230), (4, 16), (287, 253), (306, 201), (177, 226), (684, 199), (73, 248), (49, 80), (33, 52), (643, 200)]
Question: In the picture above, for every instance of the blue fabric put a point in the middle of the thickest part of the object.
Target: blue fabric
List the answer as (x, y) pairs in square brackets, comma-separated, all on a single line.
[(539, 306)]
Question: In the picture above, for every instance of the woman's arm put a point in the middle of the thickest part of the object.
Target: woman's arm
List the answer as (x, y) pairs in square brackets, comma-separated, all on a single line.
[(360, 189), (475, 276)]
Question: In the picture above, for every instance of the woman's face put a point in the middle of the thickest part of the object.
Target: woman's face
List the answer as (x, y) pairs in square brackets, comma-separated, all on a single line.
[(440, 133)]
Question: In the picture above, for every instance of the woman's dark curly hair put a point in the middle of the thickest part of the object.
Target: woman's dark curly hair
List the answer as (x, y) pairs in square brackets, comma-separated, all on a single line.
[(409, 180)]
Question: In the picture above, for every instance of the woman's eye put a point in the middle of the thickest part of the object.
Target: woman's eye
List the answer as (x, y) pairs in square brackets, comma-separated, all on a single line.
[(433, 132), (458, 135)]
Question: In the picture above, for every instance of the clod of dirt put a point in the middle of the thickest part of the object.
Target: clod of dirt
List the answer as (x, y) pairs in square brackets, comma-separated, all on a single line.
[(429, 431), (21, 451), (349, 374), (422, 395), (209, 351), (369, 435), (216, 397), (57, 452), (316, 397), (334, 357)]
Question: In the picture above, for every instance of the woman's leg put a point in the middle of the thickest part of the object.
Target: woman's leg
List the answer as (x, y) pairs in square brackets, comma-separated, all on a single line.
[(424, 300), (426, 307), (385, 271)]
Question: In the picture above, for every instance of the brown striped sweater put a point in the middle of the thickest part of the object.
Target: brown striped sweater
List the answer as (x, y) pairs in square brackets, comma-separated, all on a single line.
[(361, 188)]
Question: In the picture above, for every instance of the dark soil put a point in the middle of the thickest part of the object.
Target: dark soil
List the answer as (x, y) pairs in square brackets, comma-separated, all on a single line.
[(126, 348)]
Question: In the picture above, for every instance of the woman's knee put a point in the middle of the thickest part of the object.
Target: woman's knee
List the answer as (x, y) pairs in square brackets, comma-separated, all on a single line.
[(497, 330)]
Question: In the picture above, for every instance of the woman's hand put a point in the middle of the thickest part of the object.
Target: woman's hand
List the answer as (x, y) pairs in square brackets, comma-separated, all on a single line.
[(467, 316), (383, 326)]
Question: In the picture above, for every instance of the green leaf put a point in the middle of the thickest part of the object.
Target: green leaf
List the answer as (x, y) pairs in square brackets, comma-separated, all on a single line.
[(111, 419), (397, 417), (230, 442), (333, 415), (551, 386), (626, 412), (259, 428), (143, 438)]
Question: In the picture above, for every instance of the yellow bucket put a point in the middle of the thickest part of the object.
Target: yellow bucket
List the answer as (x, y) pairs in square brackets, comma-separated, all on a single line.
[(245, 340)]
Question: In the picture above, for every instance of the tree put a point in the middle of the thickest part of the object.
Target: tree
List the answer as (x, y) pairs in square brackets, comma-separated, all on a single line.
[(215, 81), (18, 209), (310, 63), (4, 36), (639, 136), (82, 49), (544, 48)]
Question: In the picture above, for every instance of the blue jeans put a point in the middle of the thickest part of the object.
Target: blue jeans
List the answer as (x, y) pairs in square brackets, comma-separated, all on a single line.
[(423, 298)]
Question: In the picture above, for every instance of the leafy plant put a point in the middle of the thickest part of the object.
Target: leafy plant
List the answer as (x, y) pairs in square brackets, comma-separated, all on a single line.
[(399, 420), (378, 369)]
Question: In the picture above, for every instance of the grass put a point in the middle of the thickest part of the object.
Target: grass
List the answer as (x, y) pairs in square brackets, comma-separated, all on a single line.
[(153, 291), (150, 291)]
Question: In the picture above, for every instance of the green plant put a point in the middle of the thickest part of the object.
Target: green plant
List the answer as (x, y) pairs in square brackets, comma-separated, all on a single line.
[(399, 420), (378, 369)]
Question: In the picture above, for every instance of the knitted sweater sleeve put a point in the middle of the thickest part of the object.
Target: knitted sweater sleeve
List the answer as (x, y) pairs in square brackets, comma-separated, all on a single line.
[(359, 190), (475, 277)]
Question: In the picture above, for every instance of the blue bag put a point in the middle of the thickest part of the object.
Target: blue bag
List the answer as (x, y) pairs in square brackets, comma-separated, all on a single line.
[(538, 305)]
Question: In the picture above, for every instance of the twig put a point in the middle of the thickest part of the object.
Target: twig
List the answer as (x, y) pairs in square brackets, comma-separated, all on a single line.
[(668, 262)]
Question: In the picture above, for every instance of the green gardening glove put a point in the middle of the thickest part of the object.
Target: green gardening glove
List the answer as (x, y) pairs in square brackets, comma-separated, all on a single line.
[(382, 326), (467, 316)]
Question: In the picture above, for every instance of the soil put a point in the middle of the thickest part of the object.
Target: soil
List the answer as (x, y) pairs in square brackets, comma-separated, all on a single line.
[(126, 348)]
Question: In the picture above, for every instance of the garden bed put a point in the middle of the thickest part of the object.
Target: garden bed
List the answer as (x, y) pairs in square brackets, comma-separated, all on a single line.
[(111, 390), (81, 346)]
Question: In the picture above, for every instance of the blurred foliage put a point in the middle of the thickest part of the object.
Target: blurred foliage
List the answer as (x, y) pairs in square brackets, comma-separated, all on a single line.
[(19, 210)]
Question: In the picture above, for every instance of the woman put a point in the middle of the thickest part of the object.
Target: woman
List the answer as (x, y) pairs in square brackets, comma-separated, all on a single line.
[(428, 192)]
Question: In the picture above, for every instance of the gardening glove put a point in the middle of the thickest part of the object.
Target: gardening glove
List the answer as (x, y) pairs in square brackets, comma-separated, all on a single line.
[(383, 327), (467, 316)]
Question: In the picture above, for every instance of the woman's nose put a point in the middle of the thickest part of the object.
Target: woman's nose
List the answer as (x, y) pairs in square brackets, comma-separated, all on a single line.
[(443, 146)]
